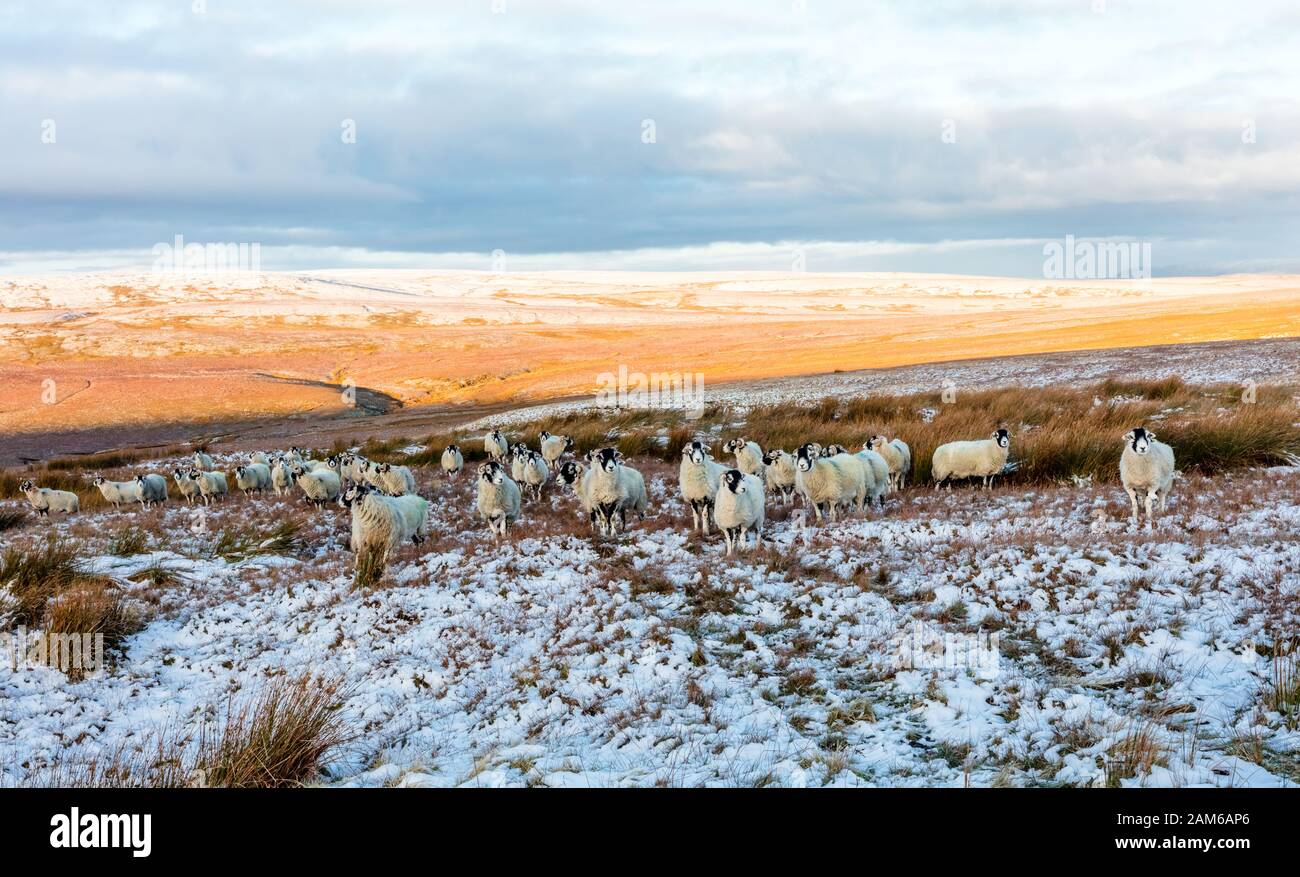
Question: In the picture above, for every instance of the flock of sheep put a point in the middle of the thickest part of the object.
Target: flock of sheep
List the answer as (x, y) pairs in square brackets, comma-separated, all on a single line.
[(387, 510)]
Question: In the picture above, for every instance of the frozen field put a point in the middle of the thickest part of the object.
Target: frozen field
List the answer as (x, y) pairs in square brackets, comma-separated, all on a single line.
[(1122, 656)]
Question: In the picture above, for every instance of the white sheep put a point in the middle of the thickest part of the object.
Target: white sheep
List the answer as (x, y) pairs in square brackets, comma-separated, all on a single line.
[(46, 499), (536, 474), (118, 492), (254, 477), (749, 456), (212, 485), (203, 460), (498, 498), (282, 477), (878, 476), (897, 454), (738, 509), (699, 476), (834, 482), (321, 485), (1146, 467), (452, 460), (553, 447), (518, 455), (153, 489), (779, 474), (984, 459), (259, 457), (495, 446), (381, 523), (188, 487), (394, 480), (578, 477), (615, 489)]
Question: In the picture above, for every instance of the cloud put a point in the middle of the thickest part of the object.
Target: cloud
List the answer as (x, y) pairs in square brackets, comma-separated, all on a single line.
[(523, 131)]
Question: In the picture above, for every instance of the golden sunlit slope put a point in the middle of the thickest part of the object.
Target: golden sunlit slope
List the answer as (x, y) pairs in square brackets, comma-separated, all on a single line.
[(140, 349)]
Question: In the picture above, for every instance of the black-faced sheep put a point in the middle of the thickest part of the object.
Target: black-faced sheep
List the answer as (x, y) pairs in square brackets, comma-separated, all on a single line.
[(983, 459), (45, 499), (699, 476), (738, 509), (615, 490), (1146, 467), (498, 498)]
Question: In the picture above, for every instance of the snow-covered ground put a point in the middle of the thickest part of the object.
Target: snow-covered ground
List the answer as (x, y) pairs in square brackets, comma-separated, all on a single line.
[(557, 659)]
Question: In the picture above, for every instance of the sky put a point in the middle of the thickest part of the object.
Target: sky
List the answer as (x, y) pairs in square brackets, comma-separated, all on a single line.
[(955, 137)]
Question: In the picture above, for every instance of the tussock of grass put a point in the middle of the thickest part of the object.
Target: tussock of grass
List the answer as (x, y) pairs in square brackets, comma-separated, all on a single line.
[(1282, 691), (128, 541), (89, 609), (369, 569), (1134, 754), (10, 520), (250, 540), (33, 576), (281, 738)]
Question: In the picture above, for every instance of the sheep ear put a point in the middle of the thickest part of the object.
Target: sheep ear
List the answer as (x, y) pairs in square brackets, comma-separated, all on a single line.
[(1130, 436), (1151, 436)]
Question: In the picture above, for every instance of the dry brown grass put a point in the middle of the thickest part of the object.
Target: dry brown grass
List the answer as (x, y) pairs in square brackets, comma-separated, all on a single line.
[(1056, 432), (283, 737), (33, 576), (89, 609)]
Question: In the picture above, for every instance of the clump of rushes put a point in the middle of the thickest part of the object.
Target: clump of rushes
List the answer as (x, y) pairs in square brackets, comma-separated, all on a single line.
[(283, 737), (31, 576)]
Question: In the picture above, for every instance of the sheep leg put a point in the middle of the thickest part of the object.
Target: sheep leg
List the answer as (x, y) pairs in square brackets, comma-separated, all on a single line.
[(1149, 500), (1133, 498)]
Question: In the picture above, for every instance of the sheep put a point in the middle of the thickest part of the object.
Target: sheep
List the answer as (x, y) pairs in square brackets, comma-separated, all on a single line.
[(896, 453), (578, 477), (118, 492), (188, 487), (1146, 466), (738, 509), (496, 446), (536, 473), (778, 474), (984, 459), (259, 457), (835, 481), (320, 485), (153, 489), (553, 447), (615, 489), (518, 455), (749, 456), (349, 467), (203, 460), (699, 476), (878, 472), (282, 477), (381, 523), (498, 498), (212, 485), (832, 450), (452, 460), (45, 499), (255, 477), (394, 480)]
